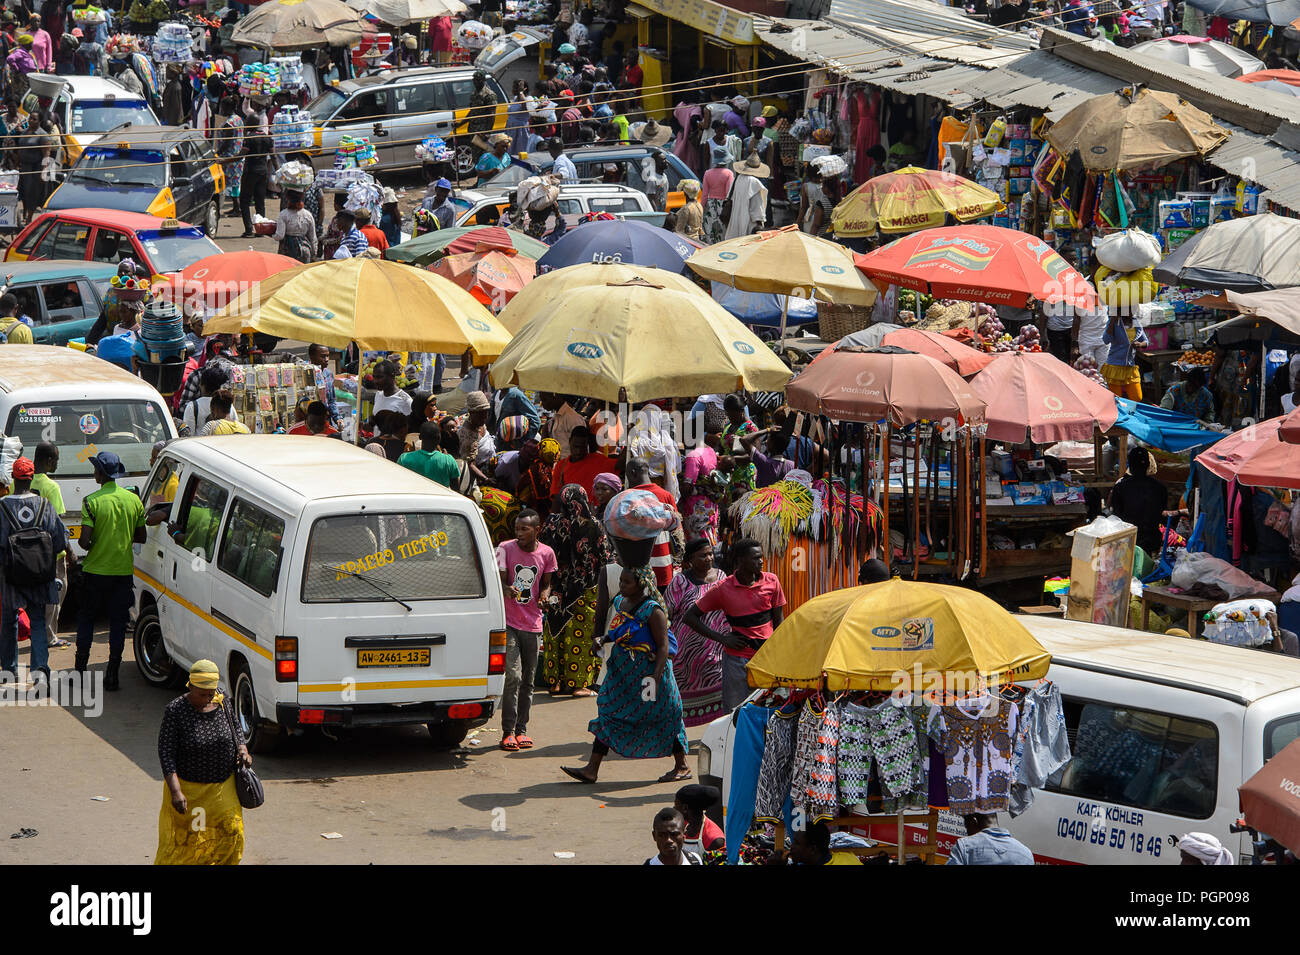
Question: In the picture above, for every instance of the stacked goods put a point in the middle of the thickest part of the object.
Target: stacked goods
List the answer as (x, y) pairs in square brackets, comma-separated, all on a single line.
[(911, 304), (1028, 339), (434, 149), (474, 35), (121, 44), (1201, 359), (290, 68), (172, 43), (338, 180), (294, 175), (291, 130), (259, 79), (1240, 623), (1087, 365), (354, 152)]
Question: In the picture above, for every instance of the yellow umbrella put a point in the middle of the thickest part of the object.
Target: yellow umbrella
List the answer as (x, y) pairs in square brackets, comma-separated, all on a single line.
[(382, 306), (597, 329), (863, 638), (909, 200), (786, 262)]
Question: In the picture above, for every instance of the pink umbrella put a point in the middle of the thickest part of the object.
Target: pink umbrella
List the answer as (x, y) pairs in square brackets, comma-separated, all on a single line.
[(962, 359), (901, 387), (1256, 455), (1037, 393), (1290, 428)]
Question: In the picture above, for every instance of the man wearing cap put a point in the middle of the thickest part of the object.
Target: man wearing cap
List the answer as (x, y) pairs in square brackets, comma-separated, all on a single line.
[(439, 203), (23, 510), (482, 106), (374, 237), (353, 240), (112, 519)]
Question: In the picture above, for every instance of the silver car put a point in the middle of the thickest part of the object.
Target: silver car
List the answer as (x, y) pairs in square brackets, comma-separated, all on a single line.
[(396, 109)]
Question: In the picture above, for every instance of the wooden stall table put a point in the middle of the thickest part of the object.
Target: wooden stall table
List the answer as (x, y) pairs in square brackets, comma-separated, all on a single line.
[(1195, 606)]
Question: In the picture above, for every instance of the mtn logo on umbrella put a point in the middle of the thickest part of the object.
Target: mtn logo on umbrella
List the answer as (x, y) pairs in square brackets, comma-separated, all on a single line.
[(477, 325), (728, 255), (584, 350), (832, 270), (312, 312), (964, 253), (743, 347)]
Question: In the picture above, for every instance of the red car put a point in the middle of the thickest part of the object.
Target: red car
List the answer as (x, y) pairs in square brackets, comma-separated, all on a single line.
[(105, 235)]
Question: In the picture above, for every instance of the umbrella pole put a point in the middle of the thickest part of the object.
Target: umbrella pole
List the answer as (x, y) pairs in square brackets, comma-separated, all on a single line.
[(884, 481), (785, 311), (984, 513), (916, 505)]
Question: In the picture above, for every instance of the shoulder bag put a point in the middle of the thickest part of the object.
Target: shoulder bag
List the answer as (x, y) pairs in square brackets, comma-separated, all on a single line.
[(247, 786)]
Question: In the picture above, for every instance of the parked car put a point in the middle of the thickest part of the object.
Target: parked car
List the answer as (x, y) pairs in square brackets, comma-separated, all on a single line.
[(163, 171), (63, 298), (89, 106), (84, 405), (590, 163), (102, 235), (484, 206), (396, 109)]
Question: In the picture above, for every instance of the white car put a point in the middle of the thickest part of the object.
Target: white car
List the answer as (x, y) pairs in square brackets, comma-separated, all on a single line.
[(484, 205), (89, 106)]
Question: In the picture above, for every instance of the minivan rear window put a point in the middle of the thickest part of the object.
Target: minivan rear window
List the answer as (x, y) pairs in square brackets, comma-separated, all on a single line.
[(1279, 734), (376, 558), (1140, 758), (82, 429)]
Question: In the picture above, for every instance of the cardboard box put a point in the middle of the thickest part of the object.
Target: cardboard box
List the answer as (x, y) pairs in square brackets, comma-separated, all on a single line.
[(1222, 208), (1101, 566)]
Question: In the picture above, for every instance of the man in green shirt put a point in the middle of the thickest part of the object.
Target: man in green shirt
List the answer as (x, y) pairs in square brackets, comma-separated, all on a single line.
[(431, 461), (112, 519)]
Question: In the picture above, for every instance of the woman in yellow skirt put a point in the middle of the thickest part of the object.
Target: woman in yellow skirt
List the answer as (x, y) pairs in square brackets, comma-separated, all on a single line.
[(199, 747), (1120, 370)]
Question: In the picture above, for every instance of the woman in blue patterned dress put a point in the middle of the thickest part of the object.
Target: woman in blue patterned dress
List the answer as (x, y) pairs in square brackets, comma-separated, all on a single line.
[(639, 709)]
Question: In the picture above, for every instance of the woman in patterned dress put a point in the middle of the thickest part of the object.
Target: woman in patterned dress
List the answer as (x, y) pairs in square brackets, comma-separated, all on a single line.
[(582, 550), (230, 146), (698, 662)]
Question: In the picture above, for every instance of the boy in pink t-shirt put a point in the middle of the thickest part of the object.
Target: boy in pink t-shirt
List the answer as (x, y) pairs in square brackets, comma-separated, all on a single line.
[(526, 566)]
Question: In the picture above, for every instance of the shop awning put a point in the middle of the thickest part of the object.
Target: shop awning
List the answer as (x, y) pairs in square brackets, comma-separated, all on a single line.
[(708, 17), (1162, 428)]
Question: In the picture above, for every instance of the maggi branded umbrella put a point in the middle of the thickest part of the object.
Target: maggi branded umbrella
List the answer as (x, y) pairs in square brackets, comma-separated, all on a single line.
[(878, 636), (380, 305), (785, 262), (909, 200)]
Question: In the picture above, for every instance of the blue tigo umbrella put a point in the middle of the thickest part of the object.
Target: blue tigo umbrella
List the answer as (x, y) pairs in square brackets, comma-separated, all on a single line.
[(761, 308), (617, 240)]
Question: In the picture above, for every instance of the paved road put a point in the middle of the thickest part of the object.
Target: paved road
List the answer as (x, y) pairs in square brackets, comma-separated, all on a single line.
[(392, 796)]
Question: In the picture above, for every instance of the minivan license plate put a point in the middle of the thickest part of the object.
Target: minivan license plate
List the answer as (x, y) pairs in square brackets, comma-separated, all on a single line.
[(416, 657)]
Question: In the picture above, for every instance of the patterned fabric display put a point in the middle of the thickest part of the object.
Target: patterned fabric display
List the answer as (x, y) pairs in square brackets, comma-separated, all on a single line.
[(775, 768), (893, 742), (977, 750), (821, 795), (854, 768), (805, 751), (1042, 744)]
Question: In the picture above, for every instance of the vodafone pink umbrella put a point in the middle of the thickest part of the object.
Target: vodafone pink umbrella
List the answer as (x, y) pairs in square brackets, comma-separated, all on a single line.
[(962, 359), (1256, 455), (1038, 394)]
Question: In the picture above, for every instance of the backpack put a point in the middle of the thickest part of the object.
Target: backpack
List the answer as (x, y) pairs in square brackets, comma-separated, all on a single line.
[(29, 557)]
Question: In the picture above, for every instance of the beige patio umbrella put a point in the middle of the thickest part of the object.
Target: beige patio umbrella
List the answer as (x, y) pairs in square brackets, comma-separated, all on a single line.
[(786, 262), (299, 25), (1116, 131)]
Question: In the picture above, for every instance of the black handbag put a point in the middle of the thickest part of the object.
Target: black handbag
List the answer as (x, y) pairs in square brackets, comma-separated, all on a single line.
[(248, 788)]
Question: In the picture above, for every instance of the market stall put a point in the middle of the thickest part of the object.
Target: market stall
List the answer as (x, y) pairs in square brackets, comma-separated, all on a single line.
[(884, 655)]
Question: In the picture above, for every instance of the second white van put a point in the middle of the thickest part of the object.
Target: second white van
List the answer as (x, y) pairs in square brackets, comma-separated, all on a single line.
[(332, 587), (1162, 731)]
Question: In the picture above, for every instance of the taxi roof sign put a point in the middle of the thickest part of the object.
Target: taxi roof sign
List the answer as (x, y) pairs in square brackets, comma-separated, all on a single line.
[(171, 223)]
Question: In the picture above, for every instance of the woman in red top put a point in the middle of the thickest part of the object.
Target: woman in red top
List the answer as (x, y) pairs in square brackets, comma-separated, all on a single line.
[(440, 39), (703, 835), (580, 467)]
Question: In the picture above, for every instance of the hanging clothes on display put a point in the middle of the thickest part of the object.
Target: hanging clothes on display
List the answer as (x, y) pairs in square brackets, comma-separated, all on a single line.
[(778, 763), (866, 107), (1042, 744), (975, 736)]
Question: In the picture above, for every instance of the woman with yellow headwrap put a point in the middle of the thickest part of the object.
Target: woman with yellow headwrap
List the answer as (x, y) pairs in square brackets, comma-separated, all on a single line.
[(199, 747)]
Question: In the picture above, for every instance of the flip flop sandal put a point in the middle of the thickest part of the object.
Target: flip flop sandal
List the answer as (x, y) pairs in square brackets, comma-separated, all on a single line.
[(525, 742), (672, 776), (577, 775), (584, 692), (510, 744)]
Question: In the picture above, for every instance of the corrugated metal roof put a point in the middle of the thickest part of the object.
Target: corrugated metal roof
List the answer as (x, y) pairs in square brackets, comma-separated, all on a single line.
[(923, 26)]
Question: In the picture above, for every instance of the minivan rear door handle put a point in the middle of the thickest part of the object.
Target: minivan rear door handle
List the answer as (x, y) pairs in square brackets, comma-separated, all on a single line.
[(405, 642)]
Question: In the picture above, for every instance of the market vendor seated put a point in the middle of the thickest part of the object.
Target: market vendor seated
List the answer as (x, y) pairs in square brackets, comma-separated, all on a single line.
[(491, 163), (1190, 397)]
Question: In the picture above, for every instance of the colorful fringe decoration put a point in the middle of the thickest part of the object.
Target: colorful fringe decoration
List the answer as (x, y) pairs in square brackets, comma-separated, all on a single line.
[(772, 514)]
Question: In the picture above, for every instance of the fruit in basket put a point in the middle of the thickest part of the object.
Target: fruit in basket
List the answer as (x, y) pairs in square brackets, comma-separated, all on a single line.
[(1204, 357)]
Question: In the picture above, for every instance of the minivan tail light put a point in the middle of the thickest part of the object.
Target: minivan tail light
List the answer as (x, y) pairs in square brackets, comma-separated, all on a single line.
[(464, 711), (286, 659), (496, 652)]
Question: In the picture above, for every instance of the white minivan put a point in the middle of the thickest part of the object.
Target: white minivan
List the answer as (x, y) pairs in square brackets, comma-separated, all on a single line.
[(1162, 730), (332, 587), (84, 405)]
